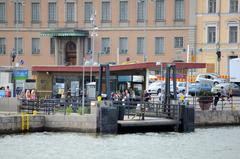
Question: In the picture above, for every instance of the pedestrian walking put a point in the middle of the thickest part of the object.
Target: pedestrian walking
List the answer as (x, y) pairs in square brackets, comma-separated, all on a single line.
[(216, 99), (223, 93), (7, 92)]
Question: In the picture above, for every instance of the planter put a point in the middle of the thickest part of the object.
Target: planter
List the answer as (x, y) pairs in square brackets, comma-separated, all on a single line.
[(205, 102)]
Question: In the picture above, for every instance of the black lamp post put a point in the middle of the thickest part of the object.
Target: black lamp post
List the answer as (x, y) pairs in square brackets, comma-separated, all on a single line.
[(218, 53)]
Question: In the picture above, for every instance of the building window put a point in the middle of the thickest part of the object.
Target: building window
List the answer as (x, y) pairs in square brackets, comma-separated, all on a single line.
[(18, 12), (179, 9), (140, 11), (140, 45), (52, 46), (35, 45), (88, 9), (211, 6), (233, 6), (160, 10), (233, 32), (178, 42), (2, 13), (211, 35), (123, 45), (52, 12), (89, 46), (2, 46), (123, 11), (106, 12), (70, 12), (105, 46), (18, 45), (35, 12), (159, 45)]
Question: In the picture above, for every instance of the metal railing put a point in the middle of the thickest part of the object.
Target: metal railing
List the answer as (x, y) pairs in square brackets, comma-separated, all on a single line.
[(52, 106), (133, 108), (148, 109)]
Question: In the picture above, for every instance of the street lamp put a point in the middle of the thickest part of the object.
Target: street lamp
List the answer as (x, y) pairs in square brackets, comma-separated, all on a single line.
[(83, 86), (144, 2), (15, 51), (218, 53), (93, 34), (17, 6)]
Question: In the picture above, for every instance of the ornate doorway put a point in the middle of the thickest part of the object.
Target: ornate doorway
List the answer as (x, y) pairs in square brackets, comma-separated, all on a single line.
[(71, 53)]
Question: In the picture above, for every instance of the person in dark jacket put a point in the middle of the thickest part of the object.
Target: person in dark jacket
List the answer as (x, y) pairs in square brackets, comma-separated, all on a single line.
[(216, 99), (147, 96)]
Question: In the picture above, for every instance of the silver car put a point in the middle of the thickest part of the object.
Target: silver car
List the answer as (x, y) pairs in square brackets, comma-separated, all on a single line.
[(155, 87), (227, 87), (212, 79)]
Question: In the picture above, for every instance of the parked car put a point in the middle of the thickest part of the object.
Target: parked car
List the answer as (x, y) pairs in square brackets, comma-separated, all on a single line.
[(227, 87), (195, 88), (181, 86), (155, 87), (209, 78)]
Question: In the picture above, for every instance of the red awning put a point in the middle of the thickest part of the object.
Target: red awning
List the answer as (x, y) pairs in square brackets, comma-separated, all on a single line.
[(138, 66)]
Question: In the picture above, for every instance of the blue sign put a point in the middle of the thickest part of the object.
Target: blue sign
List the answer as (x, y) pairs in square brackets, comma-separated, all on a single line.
[(20, 74), (2, 93), (124, 79)]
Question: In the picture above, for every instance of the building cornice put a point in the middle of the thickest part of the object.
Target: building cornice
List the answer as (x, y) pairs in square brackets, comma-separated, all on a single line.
[(27, 29)]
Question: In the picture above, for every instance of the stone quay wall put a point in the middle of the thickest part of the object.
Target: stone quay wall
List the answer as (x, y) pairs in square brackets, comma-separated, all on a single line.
[(217, 118), (88, 123)]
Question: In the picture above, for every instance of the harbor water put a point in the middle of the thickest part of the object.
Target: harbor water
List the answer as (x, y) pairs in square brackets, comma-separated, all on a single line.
[(209, 143)]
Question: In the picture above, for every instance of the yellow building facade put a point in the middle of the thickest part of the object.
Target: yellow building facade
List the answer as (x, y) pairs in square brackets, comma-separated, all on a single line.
[(217, 31), (67, 32)]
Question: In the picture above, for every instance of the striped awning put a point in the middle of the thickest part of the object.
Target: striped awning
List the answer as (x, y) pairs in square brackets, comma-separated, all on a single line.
[(65, 32)]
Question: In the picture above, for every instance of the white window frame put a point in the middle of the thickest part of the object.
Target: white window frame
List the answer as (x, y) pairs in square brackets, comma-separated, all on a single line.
[(20, 49), (3, 46), (233, 25), (36, 50), (207, 7), (142, 46), (56, 13), (110, 12), (5, 12), (52, 46), (103, 52), (144, 7), (155, 49), (177, 42), (164, 11), (85, 15), (229, 9), (19, 19), (175, 12), (75, 11), (39, 12), (206, 34), (127, 16), (123, 50)]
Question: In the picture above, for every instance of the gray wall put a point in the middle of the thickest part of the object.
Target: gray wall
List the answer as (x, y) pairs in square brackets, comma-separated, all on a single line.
[(74, 122), (13, 124), (9, 104), (213, 118)]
